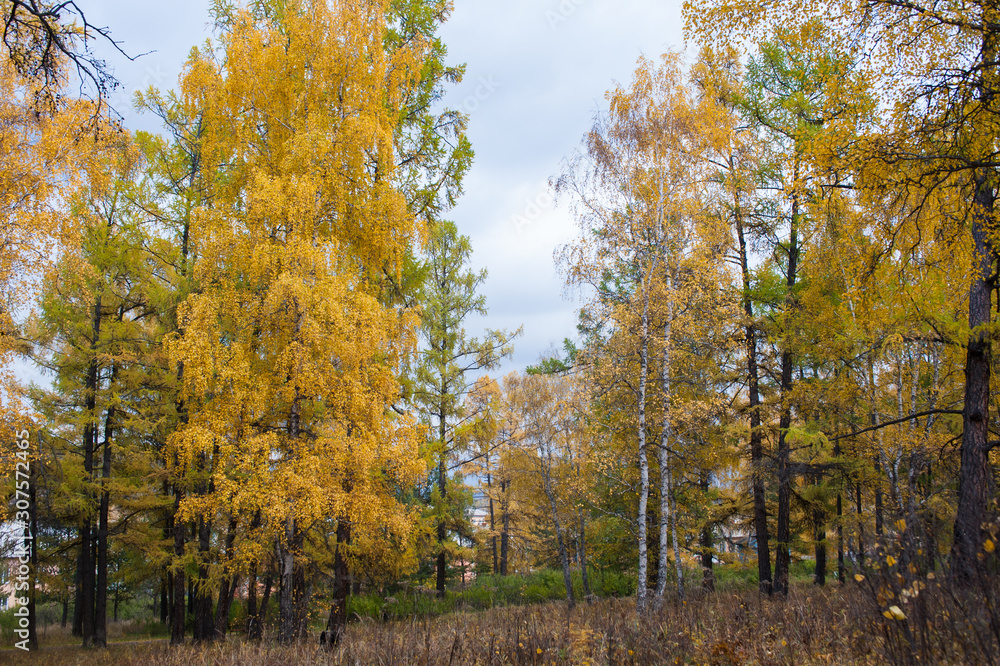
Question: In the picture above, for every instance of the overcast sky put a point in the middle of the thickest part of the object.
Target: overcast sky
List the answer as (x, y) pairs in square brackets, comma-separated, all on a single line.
[(537, 74)]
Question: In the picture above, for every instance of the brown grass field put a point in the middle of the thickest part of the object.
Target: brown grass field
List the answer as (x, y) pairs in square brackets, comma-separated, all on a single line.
[(812, 626)]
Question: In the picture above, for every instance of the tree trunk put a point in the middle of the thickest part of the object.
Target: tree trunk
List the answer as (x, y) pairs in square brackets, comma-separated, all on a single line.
[(226, 590), (641, 591), (337, 623), (286, 602), (582, 554), (178, 615), (840, 539), (78, 590), (227, 587), (663, 455), (252, 617), (442, 531), (164, 600), (255, 620), (756, 435), (505, 534), (782, 556), (861, 527), (204, 625), (975, 477), (265, 601), (493, 527), (87, 564), (819, 537), (101, 601), (707, 547)]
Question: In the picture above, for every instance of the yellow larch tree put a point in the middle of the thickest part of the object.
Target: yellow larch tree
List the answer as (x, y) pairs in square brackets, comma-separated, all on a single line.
[(288, 355)]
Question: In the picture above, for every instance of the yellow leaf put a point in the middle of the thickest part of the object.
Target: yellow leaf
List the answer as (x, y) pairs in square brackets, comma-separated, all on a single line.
[(891, 561), (894, 613), (859, 577), (989, 546)]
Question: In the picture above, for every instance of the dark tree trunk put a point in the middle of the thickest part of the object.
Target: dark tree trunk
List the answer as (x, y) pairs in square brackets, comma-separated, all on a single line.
[(493, 527), (227, 592), (975, 478), (204, 619), (442, 532), (265, 601), (178, 615), (164, 601), (861, 529), (302, 592), (337, 622), (101, 601), (87, 563), (707, 545), (564, 558), (782, 558), (708, 573), (840, 539), (204, 625), (256, 620), (87, 584), (252, 614), (756, 435), (222, 607), (819, 536), (228, 586), (286, 567), (78, 590), (505, 534), (582, 554)]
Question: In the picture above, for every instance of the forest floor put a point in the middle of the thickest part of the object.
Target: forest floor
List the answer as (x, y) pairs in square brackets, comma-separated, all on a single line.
[(812, 626)]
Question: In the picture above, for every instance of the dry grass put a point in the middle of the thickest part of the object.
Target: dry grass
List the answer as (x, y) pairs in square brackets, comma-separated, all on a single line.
[(812, 626)]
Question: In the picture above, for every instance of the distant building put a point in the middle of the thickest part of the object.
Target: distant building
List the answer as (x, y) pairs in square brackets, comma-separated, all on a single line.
[(480, 515)]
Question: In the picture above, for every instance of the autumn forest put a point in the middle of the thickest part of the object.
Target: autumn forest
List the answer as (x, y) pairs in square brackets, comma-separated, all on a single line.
[(249, 418)]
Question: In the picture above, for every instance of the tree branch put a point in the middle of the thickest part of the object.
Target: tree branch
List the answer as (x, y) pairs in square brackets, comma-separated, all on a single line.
[(918, 415)]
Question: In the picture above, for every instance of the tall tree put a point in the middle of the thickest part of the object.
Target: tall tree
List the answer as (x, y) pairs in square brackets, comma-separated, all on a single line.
[(443, 376), (289, 353)]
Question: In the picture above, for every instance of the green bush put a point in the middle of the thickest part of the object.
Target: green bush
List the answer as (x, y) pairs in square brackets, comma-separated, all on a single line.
[(736, 576), (613, 584), (365, 606), (802, 569), (7, 625)]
